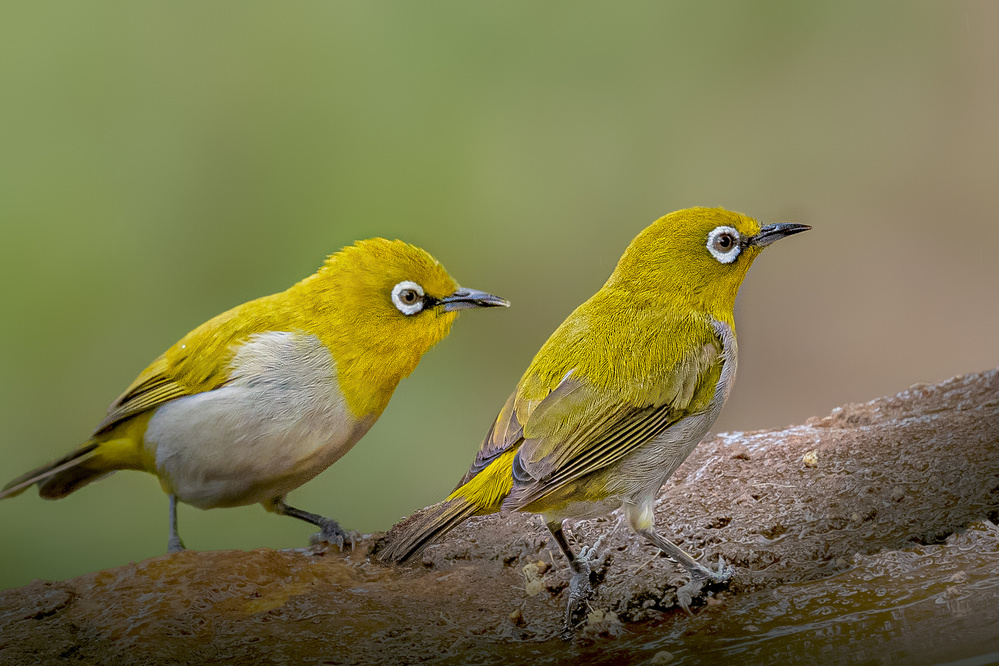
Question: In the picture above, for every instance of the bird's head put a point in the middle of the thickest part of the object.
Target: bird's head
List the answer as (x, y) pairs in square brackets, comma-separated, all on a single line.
[(697, 256), (383, 304)]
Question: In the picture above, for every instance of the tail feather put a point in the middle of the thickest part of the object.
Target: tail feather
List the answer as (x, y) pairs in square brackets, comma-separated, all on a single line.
[(416, 532), (479, 495), (58, 478)]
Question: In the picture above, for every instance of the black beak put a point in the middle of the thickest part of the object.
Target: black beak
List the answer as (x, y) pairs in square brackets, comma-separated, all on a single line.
[(464, 299), (774, 232)]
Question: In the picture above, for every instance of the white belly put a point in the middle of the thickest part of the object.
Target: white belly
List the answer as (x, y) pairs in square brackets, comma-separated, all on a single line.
[(279, 422)]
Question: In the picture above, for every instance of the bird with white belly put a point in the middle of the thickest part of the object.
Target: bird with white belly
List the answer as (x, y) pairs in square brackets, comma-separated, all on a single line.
[(262, 398)]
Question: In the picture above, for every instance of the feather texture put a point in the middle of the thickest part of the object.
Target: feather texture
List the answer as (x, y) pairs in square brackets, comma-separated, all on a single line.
[(263, 397), (622, 390)]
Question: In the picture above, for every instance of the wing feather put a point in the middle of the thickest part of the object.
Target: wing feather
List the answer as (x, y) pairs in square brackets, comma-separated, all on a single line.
[(199, 362), (626, 436), (578, 430), (504, 433)]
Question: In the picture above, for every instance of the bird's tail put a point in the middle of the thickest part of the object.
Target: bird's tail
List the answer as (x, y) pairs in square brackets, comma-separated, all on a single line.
[(89, 462), (481, 494), (58, 478), (413, 534)]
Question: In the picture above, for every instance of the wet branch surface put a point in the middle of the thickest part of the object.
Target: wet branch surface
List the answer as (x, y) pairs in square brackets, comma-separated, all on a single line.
[(876, 507)]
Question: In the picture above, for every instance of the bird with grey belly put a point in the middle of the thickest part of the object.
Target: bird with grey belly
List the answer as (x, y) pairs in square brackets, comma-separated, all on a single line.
[(617, 397), (260, 399)]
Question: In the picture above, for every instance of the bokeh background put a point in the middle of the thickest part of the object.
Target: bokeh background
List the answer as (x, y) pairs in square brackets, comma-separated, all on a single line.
[(163, 162)]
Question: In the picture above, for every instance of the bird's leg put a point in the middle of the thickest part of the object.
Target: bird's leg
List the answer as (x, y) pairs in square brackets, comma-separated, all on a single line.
[(580, 589), (329, 530), (174, 544), (699, 574)]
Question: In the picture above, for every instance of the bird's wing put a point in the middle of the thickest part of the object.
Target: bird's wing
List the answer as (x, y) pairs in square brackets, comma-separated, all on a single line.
[(505, 433), (199, 362), (578, 429), (157, 385)]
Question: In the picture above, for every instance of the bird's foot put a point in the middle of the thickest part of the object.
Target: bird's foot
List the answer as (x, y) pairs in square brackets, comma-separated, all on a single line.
[(724, 573), (331, 533), (580, 587), (174, 544), (699, 577)]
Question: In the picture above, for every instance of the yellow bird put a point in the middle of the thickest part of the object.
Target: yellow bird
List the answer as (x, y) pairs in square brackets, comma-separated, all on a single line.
[(618, 396), (260, 399)]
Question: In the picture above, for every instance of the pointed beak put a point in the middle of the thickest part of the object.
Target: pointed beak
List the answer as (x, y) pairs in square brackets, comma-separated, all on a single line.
[(774, 232), (464, 299)]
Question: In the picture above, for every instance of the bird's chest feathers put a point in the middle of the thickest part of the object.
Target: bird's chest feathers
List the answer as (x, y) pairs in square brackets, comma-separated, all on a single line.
[(292, 380), (277, 421), (374, 353)]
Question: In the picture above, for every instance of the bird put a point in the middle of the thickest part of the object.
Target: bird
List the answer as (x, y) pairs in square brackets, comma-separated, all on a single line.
[(617, 397), (262, 398)]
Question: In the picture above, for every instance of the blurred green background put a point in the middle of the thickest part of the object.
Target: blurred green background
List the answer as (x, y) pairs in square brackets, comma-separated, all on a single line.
[(163, 162)]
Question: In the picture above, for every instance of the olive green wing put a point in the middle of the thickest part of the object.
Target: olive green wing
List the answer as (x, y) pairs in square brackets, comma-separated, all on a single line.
[(199, 362), (157, 385), (505, 432), (579, 429)]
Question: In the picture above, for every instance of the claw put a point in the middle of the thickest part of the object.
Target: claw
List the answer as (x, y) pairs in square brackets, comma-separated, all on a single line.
[(331, 533), (580, 587), (724, 573), (698, 577), (589, 553), (699, 574), (685, 594)]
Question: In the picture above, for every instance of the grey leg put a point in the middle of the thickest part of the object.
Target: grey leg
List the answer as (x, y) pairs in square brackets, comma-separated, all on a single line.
[(174, 544), (699, 574), (580, 588), (329, 530)]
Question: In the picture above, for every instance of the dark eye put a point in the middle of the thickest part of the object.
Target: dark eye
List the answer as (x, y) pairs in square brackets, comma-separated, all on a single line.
[(407, 297), (723, 244)]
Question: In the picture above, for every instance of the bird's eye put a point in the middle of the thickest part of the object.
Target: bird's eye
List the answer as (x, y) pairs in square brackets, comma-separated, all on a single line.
[(407, 297), (724, 244)]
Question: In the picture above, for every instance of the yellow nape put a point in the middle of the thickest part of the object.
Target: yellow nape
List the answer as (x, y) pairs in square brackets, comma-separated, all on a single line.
[(487, 489)]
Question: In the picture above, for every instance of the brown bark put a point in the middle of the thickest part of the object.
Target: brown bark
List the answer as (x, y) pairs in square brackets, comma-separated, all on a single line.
[(830, 505)]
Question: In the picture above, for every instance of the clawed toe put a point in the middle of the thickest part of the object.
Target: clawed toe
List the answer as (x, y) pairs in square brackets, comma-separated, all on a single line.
[(698, 578), (723, 574), (332, 534), (580, 587), (706, 575), (685, 594), (591, 556)]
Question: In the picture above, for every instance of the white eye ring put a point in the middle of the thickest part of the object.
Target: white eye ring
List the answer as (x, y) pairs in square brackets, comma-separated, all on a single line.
[(724, 244), (408, 297)]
